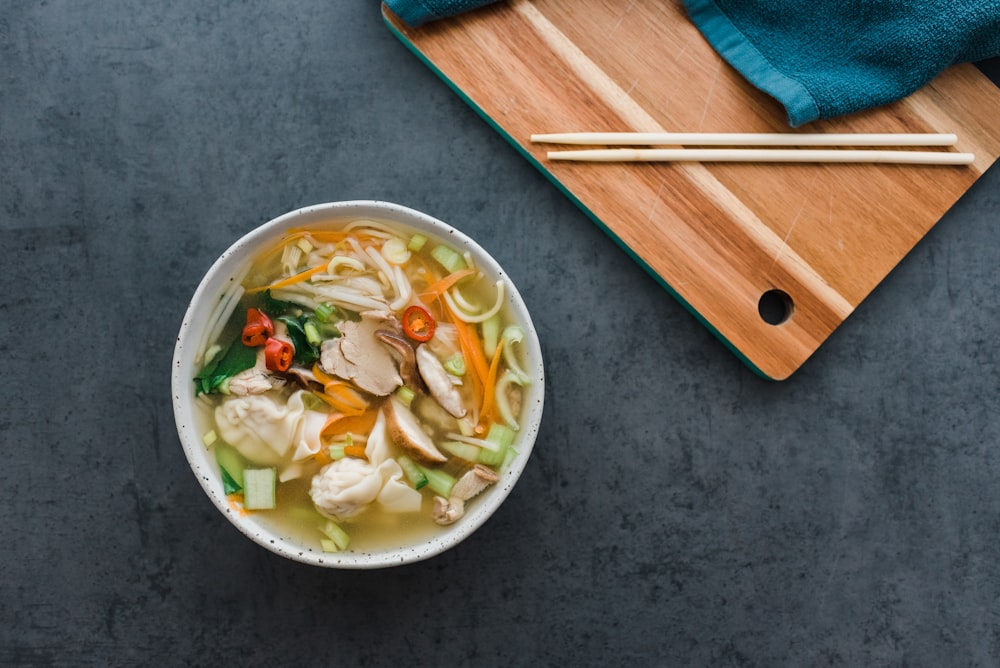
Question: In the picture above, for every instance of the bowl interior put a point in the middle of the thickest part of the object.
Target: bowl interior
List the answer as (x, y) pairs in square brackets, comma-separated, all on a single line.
[(228, 268)]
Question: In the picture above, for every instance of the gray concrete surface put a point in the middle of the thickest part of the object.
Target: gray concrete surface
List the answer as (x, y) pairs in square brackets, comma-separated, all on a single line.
[(678, 510)]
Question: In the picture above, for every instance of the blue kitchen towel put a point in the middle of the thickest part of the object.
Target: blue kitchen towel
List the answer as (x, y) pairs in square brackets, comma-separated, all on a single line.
[(418, 12), (827, 58)]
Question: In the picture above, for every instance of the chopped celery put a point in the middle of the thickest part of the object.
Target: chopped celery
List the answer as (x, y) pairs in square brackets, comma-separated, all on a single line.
[(324, 312), (455, 365), (231, 465), (466, 451), (491, 334), (209, 438), (328, 545), (405, 395), (503, 437), (449, 258), (508, 458), (412, 471), (337, 536), (438, 480), (336, 451), (417, 242), (258, 488)]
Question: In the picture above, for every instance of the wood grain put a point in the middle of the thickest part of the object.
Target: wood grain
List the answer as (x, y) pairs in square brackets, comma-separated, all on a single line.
[(717, 235)]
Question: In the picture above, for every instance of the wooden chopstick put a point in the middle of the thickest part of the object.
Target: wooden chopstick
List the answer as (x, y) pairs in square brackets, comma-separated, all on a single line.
[(744, 139), (764, 155)]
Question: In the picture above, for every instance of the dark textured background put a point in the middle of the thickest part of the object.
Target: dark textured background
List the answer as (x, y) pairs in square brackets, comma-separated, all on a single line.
[(677, 509)]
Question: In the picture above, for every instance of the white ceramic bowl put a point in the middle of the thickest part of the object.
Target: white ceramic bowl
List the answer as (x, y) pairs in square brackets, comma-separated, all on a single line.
[(202, 459)]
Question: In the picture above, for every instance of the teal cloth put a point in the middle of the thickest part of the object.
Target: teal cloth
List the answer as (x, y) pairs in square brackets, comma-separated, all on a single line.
[(821, 58), (827, 58), (419, 12)]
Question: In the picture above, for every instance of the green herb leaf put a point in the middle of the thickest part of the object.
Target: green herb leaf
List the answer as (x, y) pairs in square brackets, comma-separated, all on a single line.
[(234, 359), (305, 352)]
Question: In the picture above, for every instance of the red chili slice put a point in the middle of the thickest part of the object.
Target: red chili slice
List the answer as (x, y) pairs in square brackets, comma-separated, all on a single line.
[(258, 329), (278, 354), (418, 323)]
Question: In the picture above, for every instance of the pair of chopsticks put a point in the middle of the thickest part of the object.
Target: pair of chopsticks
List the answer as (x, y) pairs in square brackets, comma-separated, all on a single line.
[(732, 154)]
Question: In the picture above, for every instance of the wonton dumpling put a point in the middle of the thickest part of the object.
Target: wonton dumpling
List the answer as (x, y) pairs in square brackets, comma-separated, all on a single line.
[(347, 486), (267, 430)]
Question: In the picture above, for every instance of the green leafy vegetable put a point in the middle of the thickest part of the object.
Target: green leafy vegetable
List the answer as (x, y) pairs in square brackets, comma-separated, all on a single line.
[(275, 307), (305, 351), (234, 359)]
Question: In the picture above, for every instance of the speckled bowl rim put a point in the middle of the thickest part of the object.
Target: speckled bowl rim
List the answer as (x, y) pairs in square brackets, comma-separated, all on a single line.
[(203, 464)]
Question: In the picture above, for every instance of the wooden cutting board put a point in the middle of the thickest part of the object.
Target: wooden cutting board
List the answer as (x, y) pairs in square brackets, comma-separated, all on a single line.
[(815, 239)]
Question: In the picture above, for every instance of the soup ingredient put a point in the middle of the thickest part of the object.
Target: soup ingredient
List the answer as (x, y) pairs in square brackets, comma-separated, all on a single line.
[(406, 433), (407, 362), (346, 487), (472, 483), (439, 382), (418, 323), (267, 430), (358, 356), (234, 359), (278, 354), (257, 329), (258, 488)]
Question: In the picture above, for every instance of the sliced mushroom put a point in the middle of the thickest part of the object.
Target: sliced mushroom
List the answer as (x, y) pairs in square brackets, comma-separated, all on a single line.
[(439, 382), (407, 361), (407, 434), (358, 356), (472, 483)]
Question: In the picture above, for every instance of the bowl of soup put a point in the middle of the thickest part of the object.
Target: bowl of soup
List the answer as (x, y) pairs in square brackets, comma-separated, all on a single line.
[(357, 385)]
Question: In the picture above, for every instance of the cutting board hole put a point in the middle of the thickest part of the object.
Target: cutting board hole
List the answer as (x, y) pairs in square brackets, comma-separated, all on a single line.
[(775, 306)]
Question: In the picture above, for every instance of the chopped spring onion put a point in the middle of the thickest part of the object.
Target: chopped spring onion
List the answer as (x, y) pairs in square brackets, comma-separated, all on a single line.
[(502, 436), (466, 451), (455, 365), (395, 251), (417, 242), (405, 395), (412, 471), (449, 258), (336, 451), (212, 352), (337, 538), (258, 488), (438, 480), (325, 311), (491, 334), (312, 333), (209, 438)]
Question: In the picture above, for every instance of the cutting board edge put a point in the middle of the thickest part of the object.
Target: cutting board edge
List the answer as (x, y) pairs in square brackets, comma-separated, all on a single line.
[(388, 19)]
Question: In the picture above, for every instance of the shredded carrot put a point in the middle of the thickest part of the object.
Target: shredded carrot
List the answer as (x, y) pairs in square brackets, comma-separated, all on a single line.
[(341, 394), (235, 502), (291, 280), (434, 291), (355, 451), (472, 350), (338, 423), (322, 457), (491, 380)]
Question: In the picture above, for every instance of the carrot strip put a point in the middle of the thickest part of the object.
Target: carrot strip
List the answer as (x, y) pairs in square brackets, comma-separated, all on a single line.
[(355, 451), (338, 423), (435, 290), (491, 380), (291, 280), (472, 349), (343, 395)]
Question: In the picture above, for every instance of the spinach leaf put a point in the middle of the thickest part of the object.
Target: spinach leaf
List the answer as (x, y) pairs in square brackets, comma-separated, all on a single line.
[(305, 352)]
